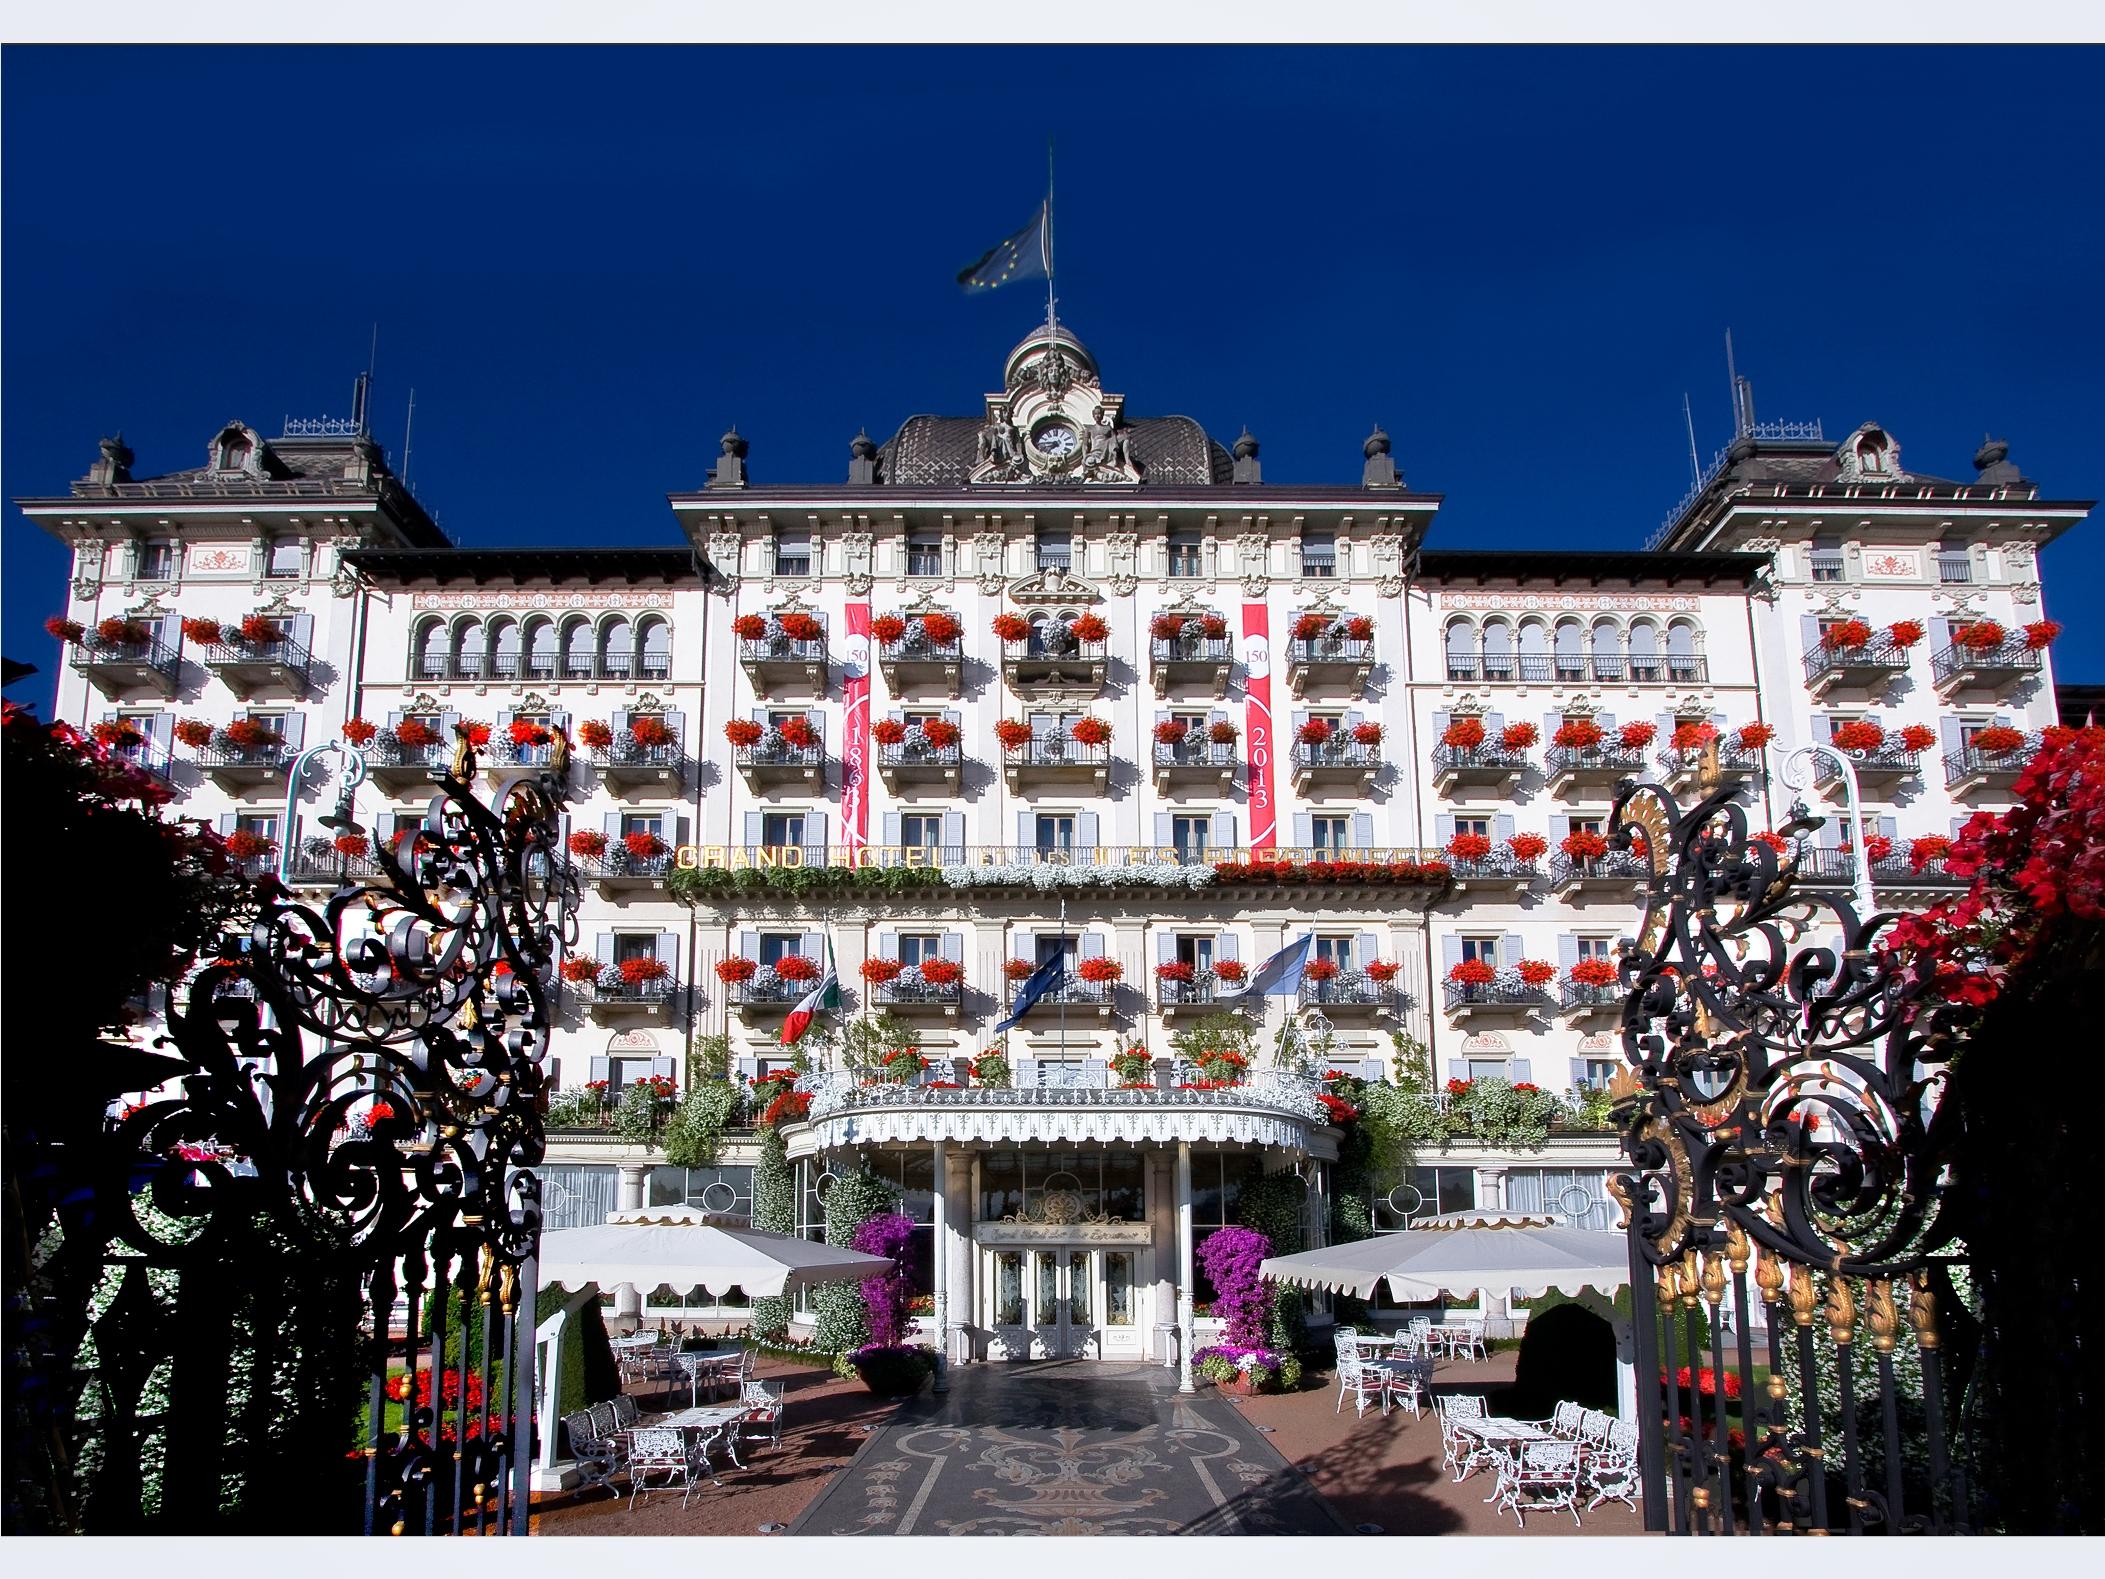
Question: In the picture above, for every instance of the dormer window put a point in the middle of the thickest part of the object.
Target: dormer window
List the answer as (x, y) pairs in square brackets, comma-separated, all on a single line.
[(233, 453)]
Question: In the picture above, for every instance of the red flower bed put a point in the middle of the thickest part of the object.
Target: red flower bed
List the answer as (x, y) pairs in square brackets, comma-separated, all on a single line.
[(1519, 737), (643, 845), (64, 629), (1859, 734), (795, 967), (1314, 732), (1229, 970), (1382, 970), (1528, 846), (888, 731), (941, 733), (736, 969), (261, 629), (1593, 972), (942, 972), (588, 842), (1171, 730), (1472, 973), (744, 733), (1906, 633), (193, 732), (1013, 733), (650, 731), (1176, 970), (1578, 734), (1222, 733), (1584, 844), (1469, 846), (1997, 739), (1320, 969), (205, 631), (1636, 736), (352, 844), (880, 971), (246, 846), (1327, 872), (1018, 969), (1100, 970), (1091, 732), (596, 734), (801, 627), (1706, 1381), (1309, 626), (888, 627), (1011, 627), (749, 627), (941, 629), (1166, 627), (1929, 847), (122, 631), (1088, 628), (248, 734), (1463, 734), (528, 732), (1692, 735), (1367, 734), (2041, 633), (1980, 636), (1918, 737), (797, 732), (1846, 633), (1212, 627), (1536, 972)]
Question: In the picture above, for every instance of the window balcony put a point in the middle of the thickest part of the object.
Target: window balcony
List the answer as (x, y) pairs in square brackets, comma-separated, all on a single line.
[(1053, 666), (1328, 663), (1972, 771), (1859, 671), (1192, 662), (634, 1002), (1499, 872), (237, 769), (1352, 993), (1074, 995), (767, 994), (396, 767), (1592, 772), (903, 762), (1592, 1003), (258, 668), (1203, 994), (1057, 758), (782, 666), (1195, 762), (1890, 765), (1684, 769), (773, 760), (322, 865), (909, 995), (125, 668), (615, 870), (913, 661), (1992, 670), (505, 758), (626, 767), (1489, 767), (1506, 998), (1830, 868), (149, 760), (1618, 874), (1340, 762)]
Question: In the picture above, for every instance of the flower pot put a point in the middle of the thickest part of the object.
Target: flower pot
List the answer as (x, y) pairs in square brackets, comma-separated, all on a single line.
[(892, 1373)]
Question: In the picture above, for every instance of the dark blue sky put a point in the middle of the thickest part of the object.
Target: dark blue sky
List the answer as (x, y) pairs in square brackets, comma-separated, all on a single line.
[(588, 262)]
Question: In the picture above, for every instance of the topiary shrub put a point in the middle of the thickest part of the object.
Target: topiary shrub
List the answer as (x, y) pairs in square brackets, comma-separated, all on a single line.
[(775, 1209), (843, 1324)]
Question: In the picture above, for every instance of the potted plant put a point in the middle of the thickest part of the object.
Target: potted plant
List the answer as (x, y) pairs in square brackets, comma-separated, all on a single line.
[(589, 843), (1314, 732), (942, 973), (260, 630), (1692, 734), (1846, 634), (1578, 734), (1536, 972), (528, 732), (2041, 633), (1752, 737), (1221, 733), (1636, 736), (1905, 633), (1166, 627), (1013, 733), (1176, 972), (991, 1070), (1997, 740), (1368, 733), (1584, 845), (354, 845), (1019, 970), (878, 971), (798, 733), (1917, 738), (941, 629), (248, 735), (1088, 628), (888, 628), (1519, 737), (744, 733), (118, 632), (643, 845), (1463, 734), (941, 734), (1593, 971), (1360, 627), (800, 627), (1011, 627), (203, 631), (1528, 846), (1472, 973), (796, 968), (1382, 971), (1099, 970), (888, 731), (1469, 846), (193, 732), (64, 629), (1859, 734), (736, 970), (1929, 847), (1309, 627), (1978, 636), (749, 627), (1091, 732)]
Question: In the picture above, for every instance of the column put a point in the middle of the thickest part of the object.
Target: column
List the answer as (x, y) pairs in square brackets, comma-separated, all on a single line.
[(941, 1257), (1184, 1268), (957, 1255), (1162, 1247), (628, 1299)]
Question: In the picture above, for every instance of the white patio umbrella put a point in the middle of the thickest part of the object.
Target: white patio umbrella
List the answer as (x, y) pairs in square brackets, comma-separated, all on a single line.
[(682, 1247), (1461, 1255)]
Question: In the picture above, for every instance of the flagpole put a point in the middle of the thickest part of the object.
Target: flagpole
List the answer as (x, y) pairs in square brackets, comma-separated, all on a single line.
[(1051, 319), (1064, 984)]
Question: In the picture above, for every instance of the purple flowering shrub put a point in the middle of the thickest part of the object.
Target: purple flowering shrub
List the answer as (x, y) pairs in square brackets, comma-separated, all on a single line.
[(1241, 1299), (886, 1297)]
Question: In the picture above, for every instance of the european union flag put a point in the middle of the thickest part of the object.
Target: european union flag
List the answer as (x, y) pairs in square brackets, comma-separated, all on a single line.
[(1023, 256), (1035, 986), (1280, 976)]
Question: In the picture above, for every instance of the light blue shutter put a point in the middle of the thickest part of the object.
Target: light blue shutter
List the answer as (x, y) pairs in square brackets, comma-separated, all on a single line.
[(1886, 827), (1165, 947), (620, 720), (603, 948), (1440, 724), (677, 723), (229, 822), (1567, 952), (1450, 953), (1493, 724), (1458, 1069), (892, 833), (669, 953), (953, 835), (1949, 729), (1372, 1069), (814, 838), (1224, 831), (755, 829), (749, 945), (293, 731), (613, 832), (1226, 947), (1369, 947), (168, 631), (1940, 633), (499, 730), (1578, 1073), (665, 1067), (1501, 828), (1085, 830), (748, 1069), (888, 945), (951, 946), (1809, 630), (1523, 1070), (1304, 831), (1363, 830), (1092, 946), (161, 731), (1165, 833), (812, 945), (558, 719), (1443, 829), (1511, 950), (1025, 833), (1560, 829), (602, 1068), (681, 833)]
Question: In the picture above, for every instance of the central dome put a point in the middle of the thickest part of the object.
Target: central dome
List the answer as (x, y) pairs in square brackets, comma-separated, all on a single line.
[(1032, 349)]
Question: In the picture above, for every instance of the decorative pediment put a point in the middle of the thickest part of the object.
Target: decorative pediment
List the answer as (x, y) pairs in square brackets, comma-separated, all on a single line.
[(923, 601), (649, 702), (1053, 585), (1869, 455), (1190, 605), (533, 702), (1691, 709), (422, 702), (1323, 603), (1469, 707)]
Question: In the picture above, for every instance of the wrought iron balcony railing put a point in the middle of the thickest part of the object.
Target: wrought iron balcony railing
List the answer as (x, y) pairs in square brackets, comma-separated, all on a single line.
[(1580, 997), (1971, 766), (1057, 749), (249, 665), (908, 754), (1872, 662), (907, 990), (227, 763), (1328, 649), (1508, 992), (1339, 751), (1197, 752), (617, 864), (505, 752), (2005, 665), (1618, 868), (782, 649), (324, 863), (636, 993), (1203, 990), (119, 666), (1603, 764), (1351, 989), (1501, 867), (1487, 761), (1830, 867), (469, 668)]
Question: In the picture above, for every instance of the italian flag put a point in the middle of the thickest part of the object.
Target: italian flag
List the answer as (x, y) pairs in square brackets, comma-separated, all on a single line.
[(826, 995)]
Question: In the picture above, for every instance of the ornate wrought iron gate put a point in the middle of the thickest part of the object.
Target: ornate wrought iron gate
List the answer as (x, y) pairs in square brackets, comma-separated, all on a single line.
[(1780, 1122), (341, 1178)]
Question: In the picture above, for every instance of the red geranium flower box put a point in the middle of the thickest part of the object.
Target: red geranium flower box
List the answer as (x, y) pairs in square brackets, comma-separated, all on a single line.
[(1367, 734), (1013, 733), (1011, 627), (1320, 969), (1578, 734), (1859, 734), (643, 845), (1018, 969), (942, 972), (1176, 970), (650, 731), (1519, 737), (1472, 973), (744, 732), (588, 842), (795, 967), (940, 629), (1221, 733), (888, 731), (1091, 732), (596, 733), (1846, 633), (1463, 734), (1536, 972), (797, 733), (749, 627), (1469, 846), (1980, 636), (1099, 970), (1593, 972), (888, 627), (1088, 627), (1636, 736), (1382, 970), (1528, 846), (1171, 730), (64, 629), (880, 971), (736, 969), (193, 732), (801, 627), (1905, 633), (207, 632), (1584, 844)]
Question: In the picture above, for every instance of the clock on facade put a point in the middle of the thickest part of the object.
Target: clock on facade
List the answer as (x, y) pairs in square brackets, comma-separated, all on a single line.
[(1054, 439)]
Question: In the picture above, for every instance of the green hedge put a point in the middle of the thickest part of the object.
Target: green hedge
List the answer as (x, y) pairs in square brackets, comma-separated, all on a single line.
[(590, 1375)]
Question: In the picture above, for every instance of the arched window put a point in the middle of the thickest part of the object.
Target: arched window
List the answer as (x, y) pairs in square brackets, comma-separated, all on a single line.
[(504, 649), (577, 650), (1644, 650), (1571, 650), (541, 649), (1871, 457), (617, 649), (1498, 650), (434, 646), (1684, 651), (657, 649), (1048, 635), (233, 451), (1461, 650), (468, 649), (1607, 651), (1534, 652)]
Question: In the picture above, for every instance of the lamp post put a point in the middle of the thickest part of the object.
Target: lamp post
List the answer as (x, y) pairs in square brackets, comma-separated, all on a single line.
[(353, 776), (1797, 774)]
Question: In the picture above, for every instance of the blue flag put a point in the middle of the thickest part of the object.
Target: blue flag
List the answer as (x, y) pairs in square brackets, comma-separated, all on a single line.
[(1035, 986), (1281, 974), (1023, 256)]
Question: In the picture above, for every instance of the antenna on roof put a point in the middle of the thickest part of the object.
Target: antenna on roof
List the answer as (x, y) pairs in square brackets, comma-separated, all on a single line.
[(1742, 395), (1695, 467), (408, 423)]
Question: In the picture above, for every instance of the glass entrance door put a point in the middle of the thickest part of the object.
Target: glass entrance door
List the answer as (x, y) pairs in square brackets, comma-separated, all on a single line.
[(1046, 1301)]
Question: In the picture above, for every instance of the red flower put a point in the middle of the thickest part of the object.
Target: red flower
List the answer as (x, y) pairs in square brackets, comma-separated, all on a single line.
[(1997, 739), (942, 972), (1528, 846), (1011, 627), (1927, 848), (1099, 970), (246, 846), (359, 731), (940, 629), (888, 731), (1091, 732), (477, 731), (1212, 627), (941, 733), (1166, 627), (1846, 633), (1221, 733), (1469, 847), (1636, 736), (801, 627), (749, 627), (1593, 971), (351, 844), (2041, 633), (260, 629), (1905, 633), (1369, 733), (744, 733), (1918, 737), (795, 967), (635, 972), (580, 968), (1171, 730), (1859, 734), (1013, 734), (1584, 844), (879, 971), (1578, 734), (1519, 737), (1692, 735), (1359, 627), (650, 731), (1753, 737), (643, 845), (415, 734), (588, 842), (1320, 969), (1088, 628), (1774, 841), (1018, 969), (121, 631), (1382, 970), (786, 1108), (1536, 972), (205, 632), (1460, 1088), (1229, 970), (528, 732), (797, 732), (888, 628), (1176, 970), (1341, 1112), (736, 969), (1309, 626), (1314, 732), (1463, 734), (1979, 636), (64, 629)]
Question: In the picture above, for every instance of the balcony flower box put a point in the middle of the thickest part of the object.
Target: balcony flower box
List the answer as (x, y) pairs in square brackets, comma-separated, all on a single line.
[(1190, 653), (920, 649), (1330, 654), (782, 653), (1051, 660)]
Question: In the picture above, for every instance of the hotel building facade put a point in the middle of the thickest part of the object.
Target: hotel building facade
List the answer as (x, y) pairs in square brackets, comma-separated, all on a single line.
[(1132, 706)]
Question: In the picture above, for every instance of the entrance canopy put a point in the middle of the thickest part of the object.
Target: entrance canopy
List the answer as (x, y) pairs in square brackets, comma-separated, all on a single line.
[(679, 1246), (1461, 1256)]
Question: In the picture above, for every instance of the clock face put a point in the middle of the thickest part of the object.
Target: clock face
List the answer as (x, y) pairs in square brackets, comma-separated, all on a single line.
[(1056, 439)]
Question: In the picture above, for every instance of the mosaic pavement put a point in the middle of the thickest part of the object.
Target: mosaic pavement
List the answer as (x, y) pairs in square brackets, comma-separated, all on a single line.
[(1069, 1448)]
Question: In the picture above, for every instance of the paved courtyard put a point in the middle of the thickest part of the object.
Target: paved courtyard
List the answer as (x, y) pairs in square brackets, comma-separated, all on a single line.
[(1081, 1449)]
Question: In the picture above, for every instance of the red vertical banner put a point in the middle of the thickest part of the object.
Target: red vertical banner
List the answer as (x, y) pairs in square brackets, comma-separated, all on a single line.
[(855, 732), (1257, 727)]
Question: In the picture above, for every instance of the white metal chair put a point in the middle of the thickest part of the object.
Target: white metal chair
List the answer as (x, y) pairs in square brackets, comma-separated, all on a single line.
[(1564, 1423), (628, 1414), (1593, 1427), (763, 1407), (599, 1457), (667, 1451), (1460, 1451), (1357, 1377), (1410, 1380), (1467, 1338), (1611, 1470), (1539, 1478)]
